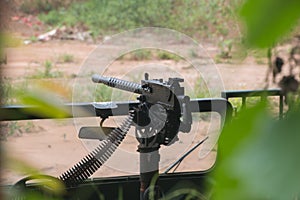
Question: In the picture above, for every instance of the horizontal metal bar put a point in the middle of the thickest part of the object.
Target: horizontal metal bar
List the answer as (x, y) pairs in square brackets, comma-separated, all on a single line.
[(106, 109), (250, 93)]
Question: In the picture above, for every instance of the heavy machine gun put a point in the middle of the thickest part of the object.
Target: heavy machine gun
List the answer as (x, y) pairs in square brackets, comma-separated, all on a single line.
[(162, 111)]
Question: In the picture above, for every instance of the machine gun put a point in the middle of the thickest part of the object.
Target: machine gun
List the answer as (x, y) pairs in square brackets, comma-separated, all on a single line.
[(162, 111)]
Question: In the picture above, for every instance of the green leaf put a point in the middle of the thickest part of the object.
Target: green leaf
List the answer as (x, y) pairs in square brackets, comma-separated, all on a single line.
[(235, 136), (268, 20), (44, 104), (272, 161), (259, 158)]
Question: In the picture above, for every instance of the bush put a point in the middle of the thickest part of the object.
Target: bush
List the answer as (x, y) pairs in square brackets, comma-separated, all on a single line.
[(195, 18), (38, 6)]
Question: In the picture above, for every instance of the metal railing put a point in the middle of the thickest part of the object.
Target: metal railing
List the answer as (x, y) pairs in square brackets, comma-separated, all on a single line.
[(263, 94)]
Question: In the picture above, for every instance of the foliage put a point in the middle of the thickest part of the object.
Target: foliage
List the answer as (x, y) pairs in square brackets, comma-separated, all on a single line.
[(258, 155), (102, 93), (200, 89), (225, 48), (15, 128), (104, 15), (250, 102), (148, 54), (140, 54), (191, 193), (9, 41), (195, 18), (42, 96), (271, 21), (66, 58), (199, 19), (47, 71), (164, 55), (46, 104), (34, 6), (10, 91)]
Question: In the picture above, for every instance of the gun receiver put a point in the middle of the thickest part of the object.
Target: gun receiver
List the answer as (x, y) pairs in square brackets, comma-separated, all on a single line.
[(170, 95)]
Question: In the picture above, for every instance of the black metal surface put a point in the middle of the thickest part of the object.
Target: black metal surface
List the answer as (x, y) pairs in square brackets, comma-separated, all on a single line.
[(94, 133), (127, 187)]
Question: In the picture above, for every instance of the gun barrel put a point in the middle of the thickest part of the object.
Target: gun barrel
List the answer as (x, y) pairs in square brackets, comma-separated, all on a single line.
[(118, 83)]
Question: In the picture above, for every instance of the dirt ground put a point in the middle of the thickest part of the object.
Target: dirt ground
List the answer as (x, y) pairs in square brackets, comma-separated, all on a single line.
[(52, 146)]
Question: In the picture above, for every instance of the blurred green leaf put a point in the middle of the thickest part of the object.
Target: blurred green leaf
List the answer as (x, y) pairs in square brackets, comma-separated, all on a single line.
[(268, 20), (44, 104), (50, 184), (235, 136), (19, 165), (259, 158), (8, 40)]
